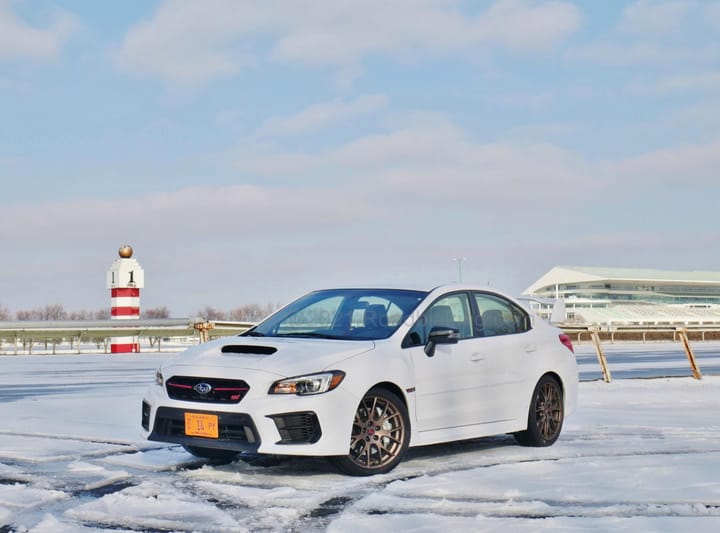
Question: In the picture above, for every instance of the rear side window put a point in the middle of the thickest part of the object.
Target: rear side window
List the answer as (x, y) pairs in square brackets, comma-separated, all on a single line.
[(498, 316)]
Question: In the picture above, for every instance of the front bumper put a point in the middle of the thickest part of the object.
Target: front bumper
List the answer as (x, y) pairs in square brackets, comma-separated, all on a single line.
[(236, 430), (317, 425)]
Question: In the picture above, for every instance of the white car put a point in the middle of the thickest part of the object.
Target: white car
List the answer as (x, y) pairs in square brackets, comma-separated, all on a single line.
[(359, 375)]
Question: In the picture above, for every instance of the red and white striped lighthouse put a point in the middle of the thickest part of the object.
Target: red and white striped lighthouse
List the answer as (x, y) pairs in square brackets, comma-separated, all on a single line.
[(125, 279)]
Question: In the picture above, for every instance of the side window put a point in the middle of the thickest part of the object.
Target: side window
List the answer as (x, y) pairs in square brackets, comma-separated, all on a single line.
[(452, 311), (499, 316)]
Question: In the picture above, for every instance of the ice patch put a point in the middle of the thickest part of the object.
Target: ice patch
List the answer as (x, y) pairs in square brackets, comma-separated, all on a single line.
[(41, 449), (162, 459), (20, 496), (153, 505)]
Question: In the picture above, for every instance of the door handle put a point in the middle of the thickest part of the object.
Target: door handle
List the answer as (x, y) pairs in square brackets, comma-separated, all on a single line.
[(477, 357), (530, 348)]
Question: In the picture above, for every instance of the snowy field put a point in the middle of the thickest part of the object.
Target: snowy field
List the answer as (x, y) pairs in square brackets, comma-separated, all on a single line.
[(639, 455)]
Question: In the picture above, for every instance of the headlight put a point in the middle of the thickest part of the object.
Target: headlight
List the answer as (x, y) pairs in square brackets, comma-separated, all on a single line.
[(159, 378), (310, 384)]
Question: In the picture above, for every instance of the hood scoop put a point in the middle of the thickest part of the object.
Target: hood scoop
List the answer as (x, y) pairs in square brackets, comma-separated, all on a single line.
[(248, 349)]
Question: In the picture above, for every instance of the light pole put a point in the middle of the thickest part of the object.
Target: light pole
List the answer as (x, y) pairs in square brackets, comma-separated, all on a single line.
[(459, 263)]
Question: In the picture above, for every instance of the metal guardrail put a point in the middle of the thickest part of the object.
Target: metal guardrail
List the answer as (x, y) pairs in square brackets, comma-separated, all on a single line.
[(22, 335)]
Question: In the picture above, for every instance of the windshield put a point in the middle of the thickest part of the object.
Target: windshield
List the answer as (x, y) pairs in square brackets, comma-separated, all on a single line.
[(346, 314)]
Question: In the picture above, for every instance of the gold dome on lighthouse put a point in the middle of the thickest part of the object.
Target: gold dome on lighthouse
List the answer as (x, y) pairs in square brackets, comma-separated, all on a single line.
[(125, 251)]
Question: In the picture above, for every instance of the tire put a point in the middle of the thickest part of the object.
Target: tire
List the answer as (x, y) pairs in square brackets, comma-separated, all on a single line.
[(380, 435), (215, 454), (545, 416)]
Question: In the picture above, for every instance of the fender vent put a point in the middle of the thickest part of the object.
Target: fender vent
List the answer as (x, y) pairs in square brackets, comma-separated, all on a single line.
[(254, 350), (297, 428)]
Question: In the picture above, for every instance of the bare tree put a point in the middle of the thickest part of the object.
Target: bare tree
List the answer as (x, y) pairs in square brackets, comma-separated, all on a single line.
[(32, 314), (84, 314), (251, 312), (49, 312), (4, 313), (210, 313), (157, 312), (53, 312)]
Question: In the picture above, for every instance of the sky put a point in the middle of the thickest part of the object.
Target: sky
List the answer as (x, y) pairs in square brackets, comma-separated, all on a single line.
[(250, 151), (68, 467)]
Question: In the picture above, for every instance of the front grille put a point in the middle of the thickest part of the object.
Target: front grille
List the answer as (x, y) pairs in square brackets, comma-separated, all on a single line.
[(237, 428), (207, 390), (297, 428)]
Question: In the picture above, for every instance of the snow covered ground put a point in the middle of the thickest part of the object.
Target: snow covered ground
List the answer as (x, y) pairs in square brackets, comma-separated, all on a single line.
[(639, 455)]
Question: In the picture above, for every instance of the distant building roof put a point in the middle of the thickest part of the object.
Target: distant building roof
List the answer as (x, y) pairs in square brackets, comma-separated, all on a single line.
[(575, 274)]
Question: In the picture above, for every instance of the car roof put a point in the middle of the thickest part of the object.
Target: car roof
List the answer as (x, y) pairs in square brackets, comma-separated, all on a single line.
[(447, 287)]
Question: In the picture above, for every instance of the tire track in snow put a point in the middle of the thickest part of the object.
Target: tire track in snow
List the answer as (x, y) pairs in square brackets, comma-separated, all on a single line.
[(534, 508)]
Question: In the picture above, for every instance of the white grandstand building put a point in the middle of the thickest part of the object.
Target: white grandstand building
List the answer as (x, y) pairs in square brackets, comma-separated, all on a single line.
[(628, 296)]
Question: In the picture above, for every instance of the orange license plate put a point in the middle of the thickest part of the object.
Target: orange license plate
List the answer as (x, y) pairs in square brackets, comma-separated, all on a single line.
[(199, 425)]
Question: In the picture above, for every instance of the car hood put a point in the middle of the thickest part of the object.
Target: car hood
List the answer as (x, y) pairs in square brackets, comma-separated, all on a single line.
[(282, 356)]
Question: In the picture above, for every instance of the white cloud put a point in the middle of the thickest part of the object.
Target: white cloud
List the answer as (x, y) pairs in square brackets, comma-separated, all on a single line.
[(197, 214), (190, 42), (347, 75), (393, 206), (693, 164), (704, 115), (20, 40), (711, 14), (390, 207), (352, 29), (439, 164), (704, 81), (699, 82), (388, 175), (653, 17), (524, 100), (319, 116), (523, 25), (672, 33), (632, 53), (547, 130), (419, 164)]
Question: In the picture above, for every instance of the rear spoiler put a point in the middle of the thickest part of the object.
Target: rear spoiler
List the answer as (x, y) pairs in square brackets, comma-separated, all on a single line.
[(557, 315)]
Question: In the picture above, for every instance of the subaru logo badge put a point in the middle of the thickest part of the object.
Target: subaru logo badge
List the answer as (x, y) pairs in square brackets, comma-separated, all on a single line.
[(203, 388)]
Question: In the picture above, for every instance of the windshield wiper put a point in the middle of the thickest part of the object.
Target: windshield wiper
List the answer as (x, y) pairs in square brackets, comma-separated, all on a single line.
[(253, 334), (310, 335)]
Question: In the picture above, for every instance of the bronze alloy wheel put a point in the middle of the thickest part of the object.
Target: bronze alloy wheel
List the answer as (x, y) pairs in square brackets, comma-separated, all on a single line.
[(546, 414), (380, 435), (548, 410)]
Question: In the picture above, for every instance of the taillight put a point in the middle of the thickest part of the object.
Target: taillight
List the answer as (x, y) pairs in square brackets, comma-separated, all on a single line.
[(565, 339)]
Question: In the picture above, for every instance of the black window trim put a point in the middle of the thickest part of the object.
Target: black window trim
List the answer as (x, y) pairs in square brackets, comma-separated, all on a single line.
[(475, 314)]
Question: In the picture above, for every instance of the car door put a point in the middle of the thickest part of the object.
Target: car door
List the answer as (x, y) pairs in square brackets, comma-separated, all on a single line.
[(447, 384), (506, 347)]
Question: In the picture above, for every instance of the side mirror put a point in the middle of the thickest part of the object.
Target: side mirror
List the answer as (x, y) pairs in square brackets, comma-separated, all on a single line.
[(440, 335)]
